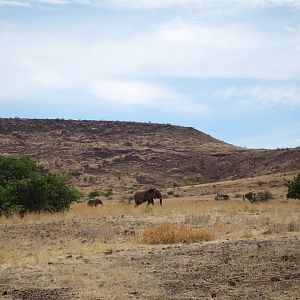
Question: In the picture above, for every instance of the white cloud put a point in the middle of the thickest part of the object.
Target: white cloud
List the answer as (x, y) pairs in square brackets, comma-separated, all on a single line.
[(131, 92), (261, 96), (54, 2), (15, 3), (155, 4), (177, 49), (136, 93)]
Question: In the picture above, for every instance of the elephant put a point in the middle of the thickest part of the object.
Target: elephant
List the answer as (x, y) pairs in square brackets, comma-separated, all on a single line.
[(147, 196), (94, 202)]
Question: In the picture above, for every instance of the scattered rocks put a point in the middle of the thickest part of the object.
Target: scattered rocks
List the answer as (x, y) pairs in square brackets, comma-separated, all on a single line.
[(213, 294), (275, 279)]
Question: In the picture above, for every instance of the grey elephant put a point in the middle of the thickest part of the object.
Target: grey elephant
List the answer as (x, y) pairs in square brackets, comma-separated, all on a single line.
[(94, 202), (147, 196)]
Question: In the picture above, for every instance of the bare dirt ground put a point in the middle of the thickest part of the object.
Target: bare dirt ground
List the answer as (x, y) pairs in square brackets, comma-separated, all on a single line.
[(97, 253)]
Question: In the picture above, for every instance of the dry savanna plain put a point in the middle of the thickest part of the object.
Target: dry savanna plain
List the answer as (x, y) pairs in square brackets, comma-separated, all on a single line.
[(193, 247)]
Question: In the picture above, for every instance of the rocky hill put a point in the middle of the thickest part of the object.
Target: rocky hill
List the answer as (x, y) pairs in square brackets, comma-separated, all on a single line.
[(128, 155)]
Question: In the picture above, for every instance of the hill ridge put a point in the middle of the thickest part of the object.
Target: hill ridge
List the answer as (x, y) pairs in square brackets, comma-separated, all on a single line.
[(131, 155)]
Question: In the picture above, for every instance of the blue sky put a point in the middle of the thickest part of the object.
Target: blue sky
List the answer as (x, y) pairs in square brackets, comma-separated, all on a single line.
[(228, 68)]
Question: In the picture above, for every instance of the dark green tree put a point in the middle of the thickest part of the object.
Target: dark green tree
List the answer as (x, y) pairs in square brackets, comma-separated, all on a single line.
[(12, 169), (23, 189), (293, 187)]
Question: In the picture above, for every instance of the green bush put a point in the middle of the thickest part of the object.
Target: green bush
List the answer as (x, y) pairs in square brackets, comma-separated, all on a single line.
[(193, 168), (24, 190), (12, 169), (94, 194), (108, 193), (293, 187)]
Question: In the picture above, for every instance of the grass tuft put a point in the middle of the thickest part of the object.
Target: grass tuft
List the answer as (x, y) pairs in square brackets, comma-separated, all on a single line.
[(172, 234)]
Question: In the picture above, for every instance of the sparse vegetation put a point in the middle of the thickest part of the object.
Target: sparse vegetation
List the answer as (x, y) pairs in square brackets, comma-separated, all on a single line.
[(193, 168), (238, 195), (191, 180)]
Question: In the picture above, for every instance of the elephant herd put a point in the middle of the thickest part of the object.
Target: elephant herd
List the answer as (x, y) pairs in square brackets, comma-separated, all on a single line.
[(139, 198)]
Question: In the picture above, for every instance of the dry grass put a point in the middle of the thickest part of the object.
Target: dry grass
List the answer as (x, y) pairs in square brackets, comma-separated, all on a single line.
[(2, 256), (247, 235), (171, 234), (282, 228)]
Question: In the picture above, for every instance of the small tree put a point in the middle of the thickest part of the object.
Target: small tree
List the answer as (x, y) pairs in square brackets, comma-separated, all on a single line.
[(12, 169), (23, 189), (293, 187)]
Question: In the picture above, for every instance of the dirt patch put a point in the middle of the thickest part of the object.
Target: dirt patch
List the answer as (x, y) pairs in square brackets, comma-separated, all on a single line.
[(38, 294), (244, 269)]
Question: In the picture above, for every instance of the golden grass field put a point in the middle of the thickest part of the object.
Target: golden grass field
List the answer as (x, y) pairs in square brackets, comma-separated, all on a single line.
[(191, 248)]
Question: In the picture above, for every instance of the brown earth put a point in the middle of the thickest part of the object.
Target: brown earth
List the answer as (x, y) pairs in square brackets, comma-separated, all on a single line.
[(127, 156)]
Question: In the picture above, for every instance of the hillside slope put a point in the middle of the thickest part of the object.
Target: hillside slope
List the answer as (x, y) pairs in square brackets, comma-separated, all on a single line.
[(98, 154)]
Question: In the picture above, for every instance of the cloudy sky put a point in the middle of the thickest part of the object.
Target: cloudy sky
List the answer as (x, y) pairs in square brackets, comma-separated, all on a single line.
[(228, 68)]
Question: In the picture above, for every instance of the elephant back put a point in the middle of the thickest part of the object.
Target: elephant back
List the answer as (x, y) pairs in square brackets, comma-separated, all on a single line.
[(94, 202)]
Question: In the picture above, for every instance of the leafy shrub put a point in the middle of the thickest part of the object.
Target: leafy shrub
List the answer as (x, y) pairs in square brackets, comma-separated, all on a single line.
[(293, 187), (50, 192), (170, 192), (24, 190), (202, 165), (193, 168), (94, 194), (108, 193), (12, 169)]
